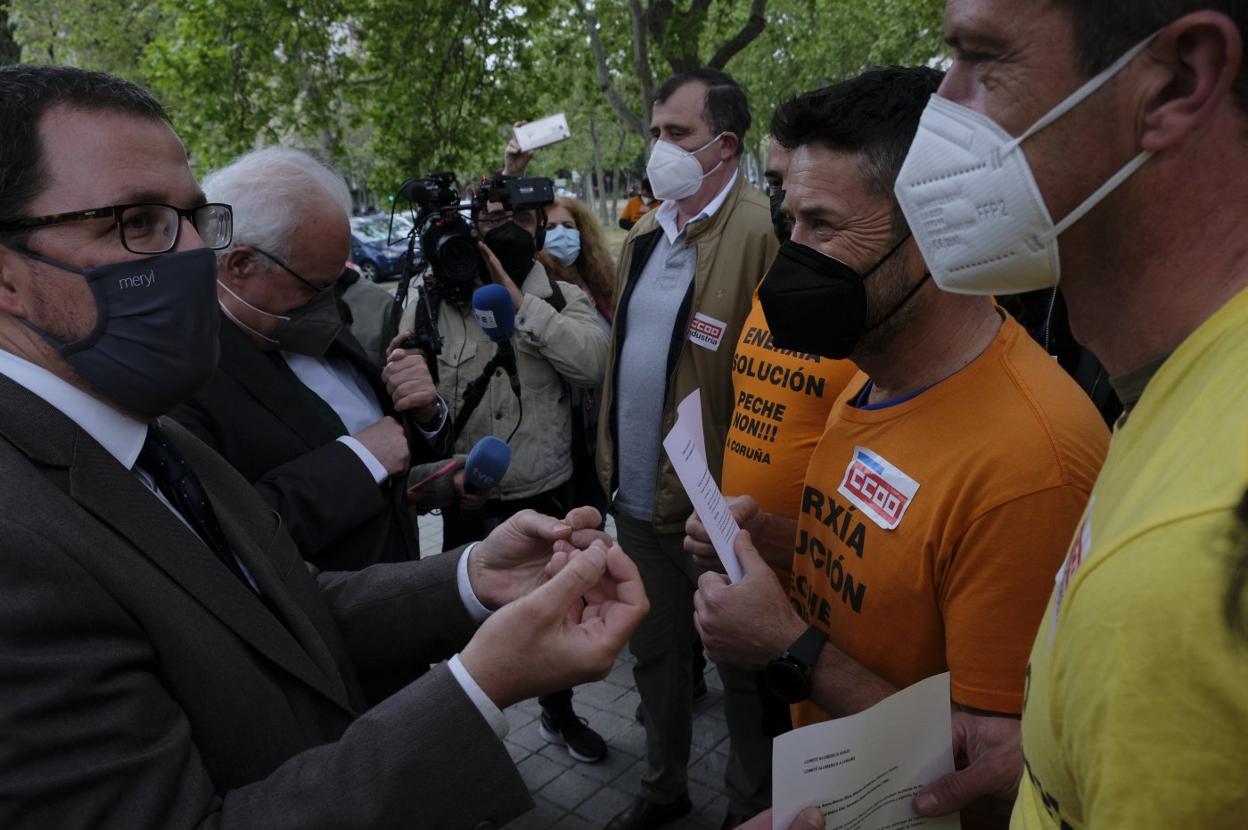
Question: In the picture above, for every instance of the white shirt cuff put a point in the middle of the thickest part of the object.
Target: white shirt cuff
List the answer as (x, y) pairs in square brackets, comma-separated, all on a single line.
[(430, 434), (375, 467), (492, 714), (478, 612)]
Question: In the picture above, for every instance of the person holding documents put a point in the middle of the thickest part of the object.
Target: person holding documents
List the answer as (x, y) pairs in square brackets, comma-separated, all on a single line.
[(952, 469), (686, 274), (773, 430), (1135, 116)]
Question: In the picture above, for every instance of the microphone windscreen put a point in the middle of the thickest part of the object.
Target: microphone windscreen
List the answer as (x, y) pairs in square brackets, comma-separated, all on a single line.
[(494, 311), (487, 463)]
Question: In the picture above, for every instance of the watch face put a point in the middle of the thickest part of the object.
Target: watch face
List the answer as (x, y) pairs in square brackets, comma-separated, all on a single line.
[(787, 681)]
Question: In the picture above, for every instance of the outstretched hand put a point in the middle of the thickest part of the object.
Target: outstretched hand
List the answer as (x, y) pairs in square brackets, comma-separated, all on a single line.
[(511, 561), (566, 632)]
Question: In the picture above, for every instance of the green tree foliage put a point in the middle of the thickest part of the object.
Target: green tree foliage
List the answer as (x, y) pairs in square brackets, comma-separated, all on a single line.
[(237, 73), (10, 49), (443, 82), (389, 89)]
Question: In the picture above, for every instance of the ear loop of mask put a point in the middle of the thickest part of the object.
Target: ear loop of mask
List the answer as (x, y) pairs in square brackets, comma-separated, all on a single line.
[(1073, 100), (694, 154), (718, 164), (239, 322), (909, 294)]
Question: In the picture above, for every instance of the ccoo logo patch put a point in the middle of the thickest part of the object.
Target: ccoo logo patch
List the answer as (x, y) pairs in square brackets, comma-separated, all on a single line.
[(877, 488), (706, 331)]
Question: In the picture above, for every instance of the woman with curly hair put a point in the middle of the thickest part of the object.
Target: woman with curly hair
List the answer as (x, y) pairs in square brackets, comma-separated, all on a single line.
[(575, 252)]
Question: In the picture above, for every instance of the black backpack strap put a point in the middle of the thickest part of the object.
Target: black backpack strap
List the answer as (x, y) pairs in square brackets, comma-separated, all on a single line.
[(556, 299)]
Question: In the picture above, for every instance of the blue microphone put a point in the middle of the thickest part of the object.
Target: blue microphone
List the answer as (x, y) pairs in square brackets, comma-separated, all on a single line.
[(486, 464), (495, 313)]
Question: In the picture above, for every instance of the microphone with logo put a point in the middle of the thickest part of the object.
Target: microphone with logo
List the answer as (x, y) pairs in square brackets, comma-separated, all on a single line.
[(495, 312), (486, 465)]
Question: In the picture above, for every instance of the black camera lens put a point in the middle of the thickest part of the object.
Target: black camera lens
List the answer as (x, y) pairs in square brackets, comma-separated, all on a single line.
[(452, 251), (459, 258)]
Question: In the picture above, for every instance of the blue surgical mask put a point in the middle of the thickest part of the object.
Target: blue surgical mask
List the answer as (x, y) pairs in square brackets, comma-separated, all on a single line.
[(155, 341), (563, 243)]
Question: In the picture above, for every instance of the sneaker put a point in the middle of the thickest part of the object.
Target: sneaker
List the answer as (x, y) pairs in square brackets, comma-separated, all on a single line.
[(583, 743)]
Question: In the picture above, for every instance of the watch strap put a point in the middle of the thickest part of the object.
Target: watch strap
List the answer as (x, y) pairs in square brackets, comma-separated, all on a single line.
[(806, 648)]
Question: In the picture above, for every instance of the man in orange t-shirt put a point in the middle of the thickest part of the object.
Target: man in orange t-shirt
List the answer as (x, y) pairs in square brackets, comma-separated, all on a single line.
[(931, 526), (781, 401), (939, 502)]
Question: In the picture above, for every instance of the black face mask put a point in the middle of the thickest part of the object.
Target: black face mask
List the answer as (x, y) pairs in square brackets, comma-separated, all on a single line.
[(779, 222), (818, 305), (515, 248), (155, 341)]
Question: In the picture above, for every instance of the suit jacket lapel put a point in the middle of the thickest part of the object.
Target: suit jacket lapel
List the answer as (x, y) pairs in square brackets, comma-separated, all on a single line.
[(117, 498), (297, 622), (271, 382)]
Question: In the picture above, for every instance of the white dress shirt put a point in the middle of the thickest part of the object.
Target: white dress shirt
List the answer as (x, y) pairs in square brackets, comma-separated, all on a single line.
[(123, 437), (665, 215), (347, 392)]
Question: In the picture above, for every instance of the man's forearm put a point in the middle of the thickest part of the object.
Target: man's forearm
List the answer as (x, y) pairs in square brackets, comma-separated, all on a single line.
[(841, 686)]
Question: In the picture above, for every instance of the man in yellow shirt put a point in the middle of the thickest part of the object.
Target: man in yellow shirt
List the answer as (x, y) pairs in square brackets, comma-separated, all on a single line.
[(1133, 117)]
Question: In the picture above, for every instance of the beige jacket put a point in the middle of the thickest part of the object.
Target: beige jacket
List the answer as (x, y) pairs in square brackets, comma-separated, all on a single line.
[(735, 249), (553, 349)]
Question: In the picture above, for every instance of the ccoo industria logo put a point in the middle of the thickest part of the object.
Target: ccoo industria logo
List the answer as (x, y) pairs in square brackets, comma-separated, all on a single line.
[(879, 489)]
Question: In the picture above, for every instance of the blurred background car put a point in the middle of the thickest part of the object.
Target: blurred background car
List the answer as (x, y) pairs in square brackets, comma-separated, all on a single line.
[(371, 249)]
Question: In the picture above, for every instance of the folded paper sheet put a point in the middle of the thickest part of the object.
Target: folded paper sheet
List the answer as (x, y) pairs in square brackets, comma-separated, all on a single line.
[(864, 770), (687, 449)]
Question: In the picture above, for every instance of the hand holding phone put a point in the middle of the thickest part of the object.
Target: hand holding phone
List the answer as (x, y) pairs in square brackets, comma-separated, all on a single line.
[(542, 133)]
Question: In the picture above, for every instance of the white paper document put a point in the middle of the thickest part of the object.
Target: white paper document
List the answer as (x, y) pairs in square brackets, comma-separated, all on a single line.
[(687, 449), (864, 770)]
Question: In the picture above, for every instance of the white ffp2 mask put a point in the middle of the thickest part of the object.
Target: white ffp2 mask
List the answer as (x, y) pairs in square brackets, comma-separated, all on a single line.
[(674, 172), (972, 202)]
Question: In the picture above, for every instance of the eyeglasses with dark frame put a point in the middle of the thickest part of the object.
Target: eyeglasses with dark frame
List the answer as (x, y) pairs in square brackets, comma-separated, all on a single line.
[(147, 227), (317, 288)]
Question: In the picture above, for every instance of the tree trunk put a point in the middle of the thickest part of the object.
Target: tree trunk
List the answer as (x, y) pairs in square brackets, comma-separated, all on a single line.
[(598, 172)]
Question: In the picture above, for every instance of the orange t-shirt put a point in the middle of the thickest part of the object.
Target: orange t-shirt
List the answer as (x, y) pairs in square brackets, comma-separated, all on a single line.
[(931, 530), (781, 402), (636, 207)]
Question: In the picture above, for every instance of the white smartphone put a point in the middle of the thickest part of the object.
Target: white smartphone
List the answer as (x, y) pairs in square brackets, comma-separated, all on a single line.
[(549, 130)]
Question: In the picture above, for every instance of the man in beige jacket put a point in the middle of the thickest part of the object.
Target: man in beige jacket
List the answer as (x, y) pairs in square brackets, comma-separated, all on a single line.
[(686, 275)]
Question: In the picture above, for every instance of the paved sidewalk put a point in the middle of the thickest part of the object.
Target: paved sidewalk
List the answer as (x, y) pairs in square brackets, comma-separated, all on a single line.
[(575, 796)]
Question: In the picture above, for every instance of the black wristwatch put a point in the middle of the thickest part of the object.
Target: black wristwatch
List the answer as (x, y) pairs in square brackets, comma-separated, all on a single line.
[(788, 677)]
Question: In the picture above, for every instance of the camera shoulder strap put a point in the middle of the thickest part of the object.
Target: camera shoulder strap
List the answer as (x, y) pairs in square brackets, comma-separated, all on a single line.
[(556, 299)]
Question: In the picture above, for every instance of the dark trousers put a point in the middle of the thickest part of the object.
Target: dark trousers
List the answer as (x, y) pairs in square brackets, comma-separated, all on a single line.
[(459, 527), (663, 648)]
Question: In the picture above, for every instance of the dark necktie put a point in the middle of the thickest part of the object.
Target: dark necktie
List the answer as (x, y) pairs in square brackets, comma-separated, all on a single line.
[(178, 483)]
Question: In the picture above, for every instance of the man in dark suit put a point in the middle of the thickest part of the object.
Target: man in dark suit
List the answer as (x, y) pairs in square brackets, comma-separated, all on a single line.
[(296, 405), (167, 659)]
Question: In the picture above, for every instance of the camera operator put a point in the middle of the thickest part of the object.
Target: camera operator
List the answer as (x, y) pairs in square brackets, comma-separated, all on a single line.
[(558, 342)]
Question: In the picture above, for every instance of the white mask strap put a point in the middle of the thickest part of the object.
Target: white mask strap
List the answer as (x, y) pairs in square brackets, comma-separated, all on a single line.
[(243, 325), (1077, 97), (707, 144), (1101, 192), (233, 294)]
